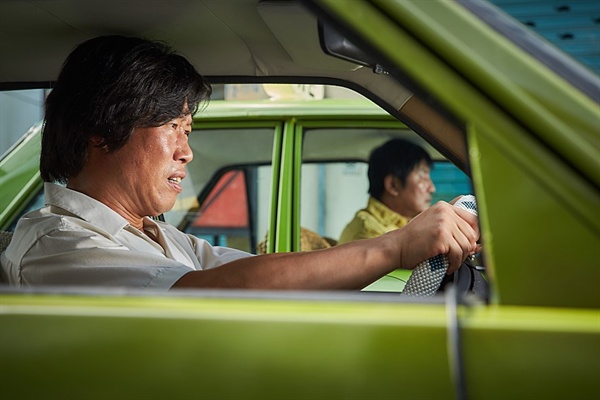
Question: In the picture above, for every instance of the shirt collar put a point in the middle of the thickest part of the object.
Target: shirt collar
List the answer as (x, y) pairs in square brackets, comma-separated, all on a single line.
[(84, 207), (384, 214)]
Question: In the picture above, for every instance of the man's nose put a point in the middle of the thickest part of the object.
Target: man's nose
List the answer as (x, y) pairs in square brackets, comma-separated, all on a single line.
[(184, 152)]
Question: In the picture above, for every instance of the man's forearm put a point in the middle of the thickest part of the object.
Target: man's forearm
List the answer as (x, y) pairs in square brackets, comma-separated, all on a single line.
[(351, 266), (442, 229)]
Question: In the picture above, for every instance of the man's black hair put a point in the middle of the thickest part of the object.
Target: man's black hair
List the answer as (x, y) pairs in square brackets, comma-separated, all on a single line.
[(397, 157), (108, 86)]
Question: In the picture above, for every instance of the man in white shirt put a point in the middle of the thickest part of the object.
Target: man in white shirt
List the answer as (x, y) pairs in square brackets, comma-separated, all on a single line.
[(115, 133), (75, 229)]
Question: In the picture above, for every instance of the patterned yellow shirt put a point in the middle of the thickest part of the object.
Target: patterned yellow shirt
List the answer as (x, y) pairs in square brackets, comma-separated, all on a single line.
[(373, 221)]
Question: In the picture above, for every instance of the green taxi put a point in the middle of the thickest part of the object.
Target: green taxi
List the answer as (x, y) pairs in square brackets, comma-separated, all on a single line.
[(507, 109)]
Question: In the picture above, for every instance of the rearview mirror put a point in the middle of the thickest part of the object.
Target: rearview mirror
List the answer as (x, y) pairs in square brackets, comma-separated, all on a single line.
[(336, 45)]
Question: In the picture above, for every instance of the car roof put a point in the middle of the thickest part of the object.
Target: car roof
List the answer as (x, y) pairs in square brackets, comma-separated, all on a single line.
[(353, 116), (330, 108)]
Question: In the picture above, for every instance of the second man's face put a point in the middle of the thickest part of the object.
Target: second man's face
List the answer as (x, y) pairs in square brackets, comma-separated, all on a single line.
[(415, 196)]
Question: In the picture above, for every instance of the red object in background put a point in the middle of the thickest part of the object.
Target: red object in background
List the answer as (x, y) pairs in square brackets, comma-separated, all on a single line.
[(226, 205)]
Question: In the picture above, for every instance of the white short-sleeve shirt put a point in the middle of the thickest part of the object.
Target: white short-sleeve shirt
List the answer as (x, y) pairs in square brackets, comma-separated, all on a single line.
[(76, 240)]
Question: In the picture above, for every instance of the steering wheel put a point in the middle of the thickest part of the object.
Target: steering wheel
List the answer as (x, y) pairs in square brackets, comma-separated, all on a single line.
[(430, 275), (469, 279)]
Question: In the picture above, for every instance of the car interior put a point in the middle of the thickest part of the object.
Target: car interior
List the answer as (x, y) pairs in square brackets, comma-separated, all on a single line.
[(327, 147), (505, 114), (254, 46)]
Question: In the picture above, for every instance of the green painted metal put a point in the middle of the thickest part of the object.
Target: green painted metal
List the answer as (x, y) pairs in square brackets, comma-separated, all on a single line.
[(510, 77), (275, 182), (175, 348), (539, 240), (156, 347), (530, 352), (218, 123), (296, 184), (391, 123), (285, 202), (516, 249), (268, 109), (19, 176), (392, 282)]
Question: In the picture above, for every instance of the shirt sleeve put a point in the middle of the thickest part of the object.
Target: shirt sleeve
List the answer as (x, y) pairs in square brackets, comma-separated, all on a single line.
[(207, 255), (83, 258)]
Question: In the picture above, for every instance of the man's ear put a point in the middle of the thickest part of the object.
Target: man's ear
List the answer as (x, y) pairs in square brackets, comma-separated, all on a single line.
[(98, 141), (391, 184)]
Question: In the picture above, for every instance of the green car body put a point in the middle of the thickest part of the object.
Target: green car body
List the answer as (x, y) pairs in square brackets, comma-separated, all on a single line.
[(20, 178), (533, 155)]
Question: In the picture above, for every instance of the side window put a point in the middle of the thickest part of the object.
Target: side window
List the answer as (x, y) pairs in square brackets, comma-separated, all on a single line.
[(449, 181), (331, 193), (234, 211), (334, 175), (334, 172)]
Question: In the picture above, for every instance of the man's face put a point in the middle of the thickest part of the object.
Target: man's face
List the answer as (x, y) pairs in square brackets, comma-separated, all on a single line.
[(415, 196), (147, 171)]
